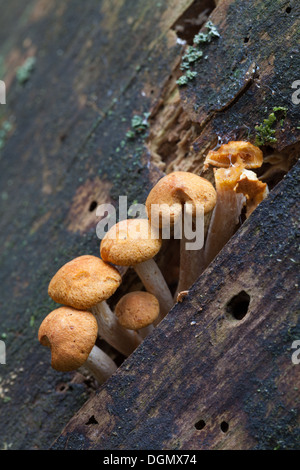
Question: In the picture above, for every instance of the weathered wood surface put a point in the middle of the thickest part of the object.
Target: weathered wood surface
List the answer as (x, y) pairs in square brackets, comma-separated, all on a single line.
[(93, 61), (203, 364), (97, 64), (247, 72)]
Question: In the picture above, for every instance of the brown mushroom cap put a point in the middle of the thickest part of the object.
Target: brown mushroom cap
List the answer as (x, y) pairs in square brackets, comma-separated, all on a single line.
[(71, 335), (236, 152), (84, 282), (130, 242), (137, 310), (178, 188)]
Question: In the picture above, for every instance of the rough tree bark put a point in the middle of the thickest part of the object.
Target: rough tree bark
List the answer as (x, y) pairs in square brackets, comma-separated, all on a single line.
[(98, 64)]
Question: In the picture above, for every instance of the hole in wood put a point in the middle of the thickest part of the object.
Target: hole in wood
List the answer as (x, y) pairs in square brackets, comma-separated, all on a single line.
[(92, 420), (93, 206), (200, 425), (237, 307), (193, 19), (62, 388), (224, 426), (246, 40), (288, 9)]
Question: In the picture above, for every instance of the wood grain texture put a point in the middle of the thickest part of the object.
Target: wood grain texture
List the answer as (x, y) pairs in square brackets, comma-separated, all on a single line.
[(99, 63), (203, 364), (247, 71), (93, 62)]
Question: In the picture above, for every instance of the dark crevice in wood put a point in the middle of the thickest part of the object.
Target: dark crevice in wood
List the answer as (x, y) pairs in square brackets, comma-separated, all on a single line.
[(237, 307), (193, 19), (200, 425), (92, 420)]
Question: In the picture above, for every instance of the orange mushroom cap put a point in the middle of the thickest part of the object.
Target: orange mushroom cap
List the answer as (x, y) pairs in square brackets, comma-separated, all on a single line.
[(236, 152), (130, 242), (137, 310), (178, 188), (254, 189), (227, 178), (71, 335), (84, 282)]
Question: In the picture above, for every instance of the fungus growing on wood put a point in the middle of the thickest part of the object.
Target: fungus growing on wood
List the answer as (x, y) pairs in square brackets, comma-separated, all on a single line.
[(236, 186), (226, 214), (180, 194), (86, 283), (134, 242), (138, 311), (254, 190), (235, 153), (71, 335)]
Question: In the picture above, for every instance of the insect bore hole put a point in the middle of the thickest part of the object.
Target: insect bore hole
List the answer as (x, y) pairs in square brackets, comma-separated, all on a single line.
[(237, 307), (200, 425), (224, 426), (93, 206)]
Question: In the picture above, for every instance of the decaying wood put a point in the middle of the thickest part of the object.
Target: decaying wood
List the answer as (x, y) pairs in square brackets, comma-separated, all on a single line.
[(244, 74), (99, 63), (222, 357)]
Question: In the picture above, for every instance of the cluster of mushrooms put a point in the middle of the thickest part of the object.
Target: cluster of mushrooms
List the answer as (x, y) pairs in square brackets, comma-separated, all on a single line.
[(84, 284)]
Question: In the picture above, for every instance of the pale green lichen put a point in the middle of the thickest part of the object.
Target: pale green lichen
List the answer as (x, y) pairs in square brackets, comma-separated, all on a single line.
[(139, 124), (24, 72), (194, 53), (184, 79)]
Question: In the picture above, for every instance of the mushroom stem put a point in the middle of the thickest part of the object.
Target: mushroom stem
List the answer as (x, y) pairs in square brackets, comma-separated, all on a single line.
[(155, 283), (144, 332), (189, 266), (224, 222), (99, 365), (123, 340), (192, 261)]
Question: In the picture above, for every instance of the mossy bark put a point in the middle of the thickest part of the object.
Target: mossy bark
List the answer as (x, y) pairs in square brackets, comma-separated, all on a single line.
[(98, 64)]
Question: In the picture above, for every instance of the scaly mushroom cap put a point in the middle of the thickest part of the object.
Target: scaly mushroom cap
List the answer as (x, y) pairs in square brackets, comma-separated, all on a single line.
[(71, 335), (176, 189), (239, 152), (137, 310), (130, 242), (84, 282)]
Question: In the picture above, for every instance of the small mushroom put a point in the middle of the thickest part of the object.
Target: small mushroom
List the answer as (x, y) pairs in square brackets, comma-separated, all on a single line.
[(71, 335), (235, 153), (138, 311), (254, 190), (165, 205), (134, 243), (85, 283), (226, 214), (231, 180)]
